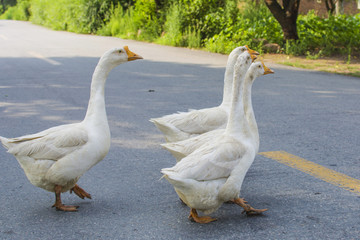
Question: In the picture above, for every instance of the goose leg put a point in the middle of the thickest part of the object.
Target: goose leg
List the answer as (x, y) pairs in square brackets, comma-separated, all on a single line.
[(247, 208), (194, 216), (80, 192), (58, 204)]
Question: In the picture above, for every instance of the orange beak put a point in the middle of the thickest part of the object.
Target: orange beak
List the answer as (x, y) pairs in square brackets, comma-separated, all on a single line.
[(253, 53), (266, 69), (132, 56)]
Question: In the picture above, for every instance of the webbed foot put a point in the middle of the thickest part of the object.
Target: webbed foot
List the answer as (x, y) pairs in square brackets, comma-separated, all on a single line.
[(80, 192), (249, 210), (194, 216)]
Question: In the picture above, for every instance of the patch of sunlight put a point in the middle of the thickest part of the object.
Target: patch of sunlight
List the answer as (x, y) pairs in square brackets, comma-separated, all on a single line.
[(143, 142), (324, 92)]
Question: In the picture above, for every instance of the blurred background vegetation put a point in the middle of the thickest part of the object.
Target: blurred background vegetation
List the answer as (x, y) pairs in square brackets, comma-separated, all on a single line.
[(214, 25)]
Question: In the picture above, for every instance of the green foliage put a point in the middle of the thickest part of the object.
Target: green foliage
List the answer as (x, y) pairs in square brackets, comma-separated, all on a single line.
[(146, 20), (173, 34), (5, 4), (216, 25), (18, 12), (97, 11), (137, 22), (333, 35), (67, 15), (81, 16), (120, 23), (252, 26)]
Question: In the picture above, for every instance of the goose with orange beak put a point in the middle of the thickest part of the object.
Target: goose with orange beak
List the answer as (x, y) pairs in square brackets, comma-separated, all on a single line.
[(55, 159)]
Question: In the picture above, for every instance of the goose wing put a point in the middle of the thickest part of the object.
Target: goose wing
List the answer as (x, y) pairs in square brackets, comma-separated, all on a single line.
[(51, 144), (210, 162)]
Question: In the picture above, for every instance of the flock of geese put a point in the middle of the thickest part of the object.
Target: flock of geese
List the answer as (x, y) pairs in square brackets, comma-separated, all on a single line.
[(213, 147)]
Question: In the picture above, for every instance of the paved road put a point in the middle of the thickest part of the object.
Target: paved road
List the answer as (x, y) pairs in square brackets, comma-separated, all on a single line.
[(44, 81)]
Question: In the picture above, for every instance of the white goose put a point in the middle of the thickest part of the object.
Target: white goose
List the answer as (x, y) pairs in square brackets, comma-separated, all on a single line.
[(182, 125), (56, 158), (213, 174), (185, 147)]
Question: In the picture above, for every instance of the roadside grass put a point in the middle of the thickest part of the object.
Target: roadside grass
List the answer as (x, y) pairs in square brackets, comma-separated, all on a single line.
[(338, 65)]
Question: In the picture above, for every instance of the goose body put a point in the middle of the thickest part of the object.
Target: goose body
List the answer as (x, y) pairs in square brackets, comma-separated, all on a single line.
[(213, 173), (183, 125), (54, 159), (185, 147)]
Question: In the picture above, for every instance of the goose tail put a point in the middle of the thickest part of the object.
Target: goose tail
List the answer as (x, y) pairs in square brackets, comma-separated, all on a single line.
[(172, 134), (5, 142)]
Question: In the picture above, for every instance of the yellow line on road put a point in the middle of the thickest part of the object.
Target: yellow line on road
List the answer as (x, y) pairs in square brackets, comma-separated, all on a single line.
[(316, 170)]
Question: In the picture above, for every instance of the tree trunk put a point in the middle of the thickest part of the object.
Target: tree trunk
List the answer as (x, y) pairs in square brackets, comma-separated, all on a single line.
[(330, 6), (339, 7), (286, 15)]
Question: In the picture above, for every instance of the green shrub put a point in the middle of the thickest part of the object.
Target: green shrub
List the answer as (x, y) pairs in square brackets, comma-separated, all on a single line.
[(146, 20), (216, 25), (172, 32), (81, 16), (67, 15), (252, 25), (19, 12), (121, 23), (333, 35), (137, 22)]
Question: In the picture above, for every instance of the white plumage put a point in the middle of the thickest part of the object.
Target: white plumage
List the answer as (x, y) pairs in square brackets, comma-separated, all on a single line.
[(185, 147), (213, 173), (56, 158), (183, 125)]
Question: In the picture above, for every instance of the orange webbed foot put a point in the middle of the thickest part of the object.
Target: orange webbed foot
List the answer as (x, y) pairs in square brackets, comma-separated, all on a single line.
[(58, 204), (249, 210), (80, 192), (66, 208), (195, 217)]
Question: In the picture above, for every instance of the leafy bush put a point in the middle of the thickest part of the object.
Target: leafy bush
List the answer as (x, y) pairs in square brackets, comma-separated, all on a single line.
[(81, 16), (253, 25), (172, 34), (333, 35), (216, 25), (146, 20), (19, 12), (137, 22), (67, 15), (6, 4), (120, 23)]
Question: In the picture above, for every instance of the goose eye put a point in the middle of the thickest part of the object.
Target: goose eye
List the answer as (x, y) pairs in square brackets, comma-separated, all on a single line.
[(120, 51)]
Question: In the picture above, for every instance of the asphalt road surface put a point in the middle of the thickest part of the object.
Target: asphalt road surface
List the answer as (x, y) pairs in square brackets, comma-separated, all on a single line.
[(44, 82)]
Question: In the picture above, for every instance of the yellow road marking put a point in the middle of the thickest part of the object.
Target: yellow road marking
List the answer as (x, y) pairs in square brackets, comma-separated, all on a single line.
[(316, 170)]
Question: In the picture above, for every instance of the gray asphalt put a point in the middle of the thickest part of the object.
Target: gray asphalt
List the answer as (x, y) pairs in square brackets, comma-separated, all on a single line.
[(44, 82)]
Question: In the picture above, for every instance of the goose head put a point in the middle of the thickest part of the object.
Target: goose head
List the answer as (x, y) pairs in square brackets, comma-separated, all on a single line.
[(235, 54), (239, 50), (243, 62), (116, 56), (257, 69)]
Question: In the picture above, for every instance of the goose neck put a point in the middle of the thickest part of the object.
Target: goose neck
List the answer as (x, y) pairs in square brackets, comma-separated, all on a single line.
[(96, 106), (236, 121), (228, 82), (248, 108)]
